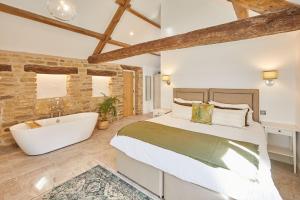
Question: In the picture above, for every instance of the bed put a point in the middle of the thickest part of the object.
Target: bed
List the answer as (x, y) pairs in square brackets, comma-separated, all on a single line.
[(173, 176)]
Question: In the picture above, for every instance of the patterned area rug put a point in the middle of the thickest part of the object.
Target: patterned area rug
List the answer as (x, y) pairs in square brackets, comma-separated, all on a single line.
[(96, 184)]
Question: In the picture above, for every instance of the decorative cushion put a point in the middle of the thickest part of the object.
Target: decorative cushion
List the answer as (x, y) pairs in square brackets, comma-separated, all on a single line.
[(202, 113), (229, 117)]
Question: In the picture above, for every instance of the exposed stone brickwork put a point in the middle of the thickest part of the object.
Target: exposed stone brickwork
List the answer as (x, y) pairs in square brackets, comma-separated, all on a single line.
[(139, 91), (18, 101)]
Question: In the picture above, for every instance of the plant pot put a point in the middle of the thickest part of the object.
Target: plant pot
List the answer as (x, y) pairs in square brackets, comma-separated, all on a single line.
[(102, 125)]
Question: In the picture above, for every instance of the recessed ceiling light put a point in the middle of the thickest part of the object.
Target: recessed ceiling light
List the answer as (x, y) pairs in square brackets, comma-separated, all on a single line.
[(169, 31), (131, 33)]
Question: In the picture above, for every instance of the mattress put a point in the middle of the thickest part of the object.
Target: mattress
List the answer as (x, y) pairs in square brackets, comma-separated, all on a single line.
[(217, 179)]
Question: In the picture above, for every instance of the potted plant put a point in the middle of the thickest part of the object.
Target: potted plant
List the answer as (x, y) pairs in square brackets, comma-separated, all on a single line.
[(108, 106)]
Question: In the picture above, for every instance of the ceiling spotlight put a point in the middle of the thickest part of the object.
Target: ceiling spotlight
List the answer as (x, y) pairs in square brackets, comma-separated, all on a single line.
[(64, 10), (131, 33)]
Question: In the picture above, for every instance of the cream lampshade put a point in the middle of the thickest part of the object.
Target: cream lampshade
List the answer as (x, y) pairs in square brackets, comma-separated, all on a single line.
[(167, 79), (270, 76)]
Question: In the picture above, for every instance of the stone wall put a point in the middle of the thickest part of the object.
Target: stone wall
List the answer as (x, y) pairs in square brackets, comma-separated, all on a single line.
[(18, 99)]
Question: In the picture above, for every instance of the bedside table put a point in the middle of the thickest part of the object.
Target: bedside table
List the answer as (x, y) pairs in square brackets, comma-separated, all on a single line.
[(161, 111), (288, 130)]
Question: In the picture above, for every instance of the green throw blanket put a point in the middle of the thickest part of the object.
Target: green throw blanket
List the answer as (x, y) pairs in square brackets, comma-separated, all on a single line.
[(205, 148)]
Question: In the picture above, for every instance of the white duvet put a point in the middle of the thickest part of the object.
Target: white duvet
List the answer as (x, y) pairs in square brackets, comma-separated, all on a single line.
[(236, 185)]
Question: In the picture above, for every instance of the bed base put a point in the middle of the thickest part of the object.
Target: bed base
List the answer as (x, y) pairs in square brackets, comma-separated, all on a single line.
[(162, 184), (144, 175)]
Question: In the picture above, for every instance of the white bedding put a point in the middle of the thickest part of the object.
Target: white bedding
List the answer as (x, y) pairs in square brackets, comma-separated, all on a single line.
[(217, 179)]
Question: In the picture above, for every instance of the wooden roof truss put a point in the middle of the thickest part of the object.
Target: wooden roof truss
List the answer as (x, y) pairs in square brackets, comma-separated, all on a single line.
[(276, 17), (105, 38)]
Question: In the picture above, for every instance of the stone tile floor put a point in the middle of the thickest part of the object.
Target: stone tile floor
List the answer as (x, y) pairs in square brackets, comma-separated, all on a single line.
[(28, 177)]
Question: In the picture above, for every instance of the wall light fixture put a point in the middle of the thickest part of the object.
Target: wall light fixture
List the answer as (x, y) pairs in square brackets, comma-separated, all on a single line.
[(270, 76), (167, 79)]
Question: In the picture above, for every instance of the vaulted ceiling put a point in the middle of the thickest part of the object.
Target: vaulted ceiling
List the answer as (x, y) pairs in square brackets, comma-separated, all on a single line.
[(19, 34), (129, 24), (276, 17)]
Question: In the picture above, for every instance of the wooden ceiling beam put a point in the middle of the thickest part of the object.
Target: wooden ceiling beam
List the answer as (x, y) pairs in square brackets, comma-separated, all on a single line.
[(42, 69), (265, 6), (139, 15), (5, 68), (253, 27), (122, 44), (112, 25), (240, 11), (118, 43), (143, 17), (46, 20), (97, 72), (52, 22), (5, 97)]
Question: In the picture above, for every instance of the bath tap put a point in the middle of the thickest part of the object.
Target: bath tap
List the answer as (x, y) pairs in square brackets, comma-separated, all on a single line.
[(59, 114), (56, 107)]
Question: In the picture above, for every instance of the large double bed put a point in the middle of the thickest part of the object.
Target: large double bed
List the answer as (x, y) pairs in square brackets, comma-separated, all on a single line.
[(174, 176)]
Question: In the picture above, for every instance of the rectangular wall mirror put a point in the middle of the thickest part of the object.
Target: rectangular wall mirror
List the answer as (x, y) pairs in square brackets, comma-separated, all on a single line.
[(148, 88)]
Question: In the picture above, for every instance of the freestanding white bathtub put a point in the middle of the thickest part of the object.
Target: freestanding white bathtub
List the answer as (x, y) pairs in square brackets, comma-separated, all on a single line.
[(54, 135)]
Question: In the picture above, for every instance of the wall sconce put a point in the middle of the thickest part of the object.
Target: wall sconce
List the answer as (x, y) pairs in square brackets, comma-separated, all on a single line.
[(270, 76), (167, 79)]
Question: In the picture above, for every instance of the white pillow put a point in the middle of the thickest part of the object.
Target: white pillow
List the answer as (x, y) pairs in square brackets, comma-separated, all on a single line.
[(180, 100), (237, 106), (226, 117), (250, 117), (182, 112), (226, 105)]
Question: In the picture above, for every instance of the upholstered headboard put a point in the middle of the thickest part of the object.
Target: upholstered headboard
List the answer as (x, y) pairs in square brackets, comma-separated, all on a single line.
[(231, 96), (196, 94)]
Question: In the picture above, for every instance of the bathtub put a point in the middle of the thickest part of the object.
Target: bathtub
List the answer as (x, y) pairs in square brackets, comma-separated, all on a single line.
[(53, 134)]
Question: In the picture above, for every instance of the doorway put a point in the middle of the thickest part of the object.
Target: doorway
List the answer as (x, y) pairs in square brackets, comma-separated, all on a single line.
[(129, 93)]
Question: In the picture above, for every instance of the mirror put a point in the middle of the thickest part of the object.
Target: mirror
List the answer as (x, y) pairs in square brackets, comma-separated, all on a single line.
[(148, 88)]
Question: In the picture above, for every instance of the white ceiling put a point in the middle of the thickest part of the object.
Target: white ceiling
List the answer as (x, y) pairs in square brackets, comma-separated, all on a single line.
[(19, 34)]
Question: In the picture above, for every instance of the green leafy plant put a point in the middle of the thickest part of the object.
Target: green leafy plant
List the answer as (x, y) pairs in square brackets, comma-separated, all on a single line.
[(108, 106)]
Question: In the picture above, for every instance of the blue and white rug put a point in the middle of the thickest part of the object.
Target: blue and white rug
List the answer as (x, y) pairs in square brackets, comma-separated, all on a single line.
[(96, 184)]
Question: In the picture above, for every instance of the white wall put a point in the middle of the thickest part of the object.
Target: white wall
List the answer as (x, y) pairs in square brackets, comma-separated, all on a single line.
[(298, 100), (229, 65)]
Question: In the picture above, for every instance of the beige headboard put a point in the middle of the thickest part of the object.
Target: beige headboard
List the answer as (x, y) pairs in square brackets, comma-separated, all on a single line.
[(232, 96), (237, 96), (191, 94)]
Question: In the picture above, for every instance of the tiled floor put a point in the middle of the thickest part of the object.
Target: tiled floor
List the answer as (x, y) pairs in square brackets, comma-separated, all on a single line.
[(23, 177)]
